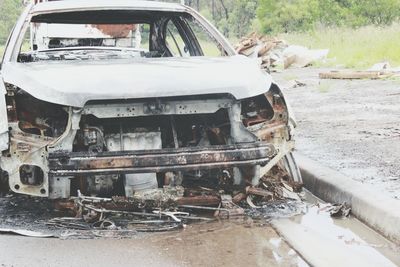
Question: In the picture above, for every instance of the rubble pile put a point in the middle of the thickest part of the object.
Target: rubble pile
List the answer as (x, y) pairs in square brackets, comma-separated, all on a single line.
[(275, 53), (268, 49), (158, 210)]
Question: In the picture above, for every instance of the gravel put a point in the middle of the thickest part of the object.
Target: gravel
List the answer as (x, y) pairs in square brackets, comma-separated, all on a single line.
[(352, 126)]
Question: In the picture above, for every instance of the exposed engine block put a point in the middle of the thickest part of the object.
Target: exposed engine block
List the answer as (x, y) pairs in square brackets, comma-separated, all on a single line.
[(136, 141)]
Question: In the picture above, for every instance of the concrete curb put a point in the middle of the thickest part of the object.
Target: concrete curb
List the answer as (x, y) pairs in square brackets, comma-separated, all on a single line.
[(380, 212)]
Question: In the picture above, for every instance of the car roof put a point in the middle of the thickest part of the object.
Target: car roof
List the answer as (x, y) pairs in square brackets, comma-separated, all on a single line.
[(83, 5)]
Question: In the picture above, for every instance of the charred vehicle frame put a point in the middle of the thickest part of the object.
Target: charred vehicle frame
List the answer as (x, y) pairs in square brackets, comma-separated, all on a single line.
[(81, 114)]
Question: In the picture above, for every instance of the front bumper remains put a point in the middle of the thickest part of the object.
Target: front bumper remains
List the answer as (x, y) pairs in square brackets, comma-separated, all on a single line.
[(161, 160)]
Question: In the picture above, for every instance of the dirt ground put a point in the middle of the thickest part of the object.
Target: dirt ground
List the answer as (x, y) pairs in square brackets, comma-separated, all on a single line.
[(351, 126)]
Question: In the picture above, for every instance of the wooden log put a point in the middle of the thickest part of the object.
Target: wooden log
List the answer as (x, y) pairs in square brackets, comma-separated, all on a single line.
[(267, 47), (355, 75)]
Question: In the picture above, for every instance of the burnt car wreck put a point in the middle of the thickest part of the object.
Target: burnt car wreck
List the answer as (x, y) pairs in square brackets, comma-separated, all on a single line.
[(126, 101)]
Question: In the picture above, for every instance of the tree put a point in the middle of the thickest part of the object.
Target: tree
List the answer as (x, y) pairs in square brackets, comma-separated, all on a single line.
[(302, 15), (232, 17), (242, 16), (9, 13), (288, 16), (378, 12)]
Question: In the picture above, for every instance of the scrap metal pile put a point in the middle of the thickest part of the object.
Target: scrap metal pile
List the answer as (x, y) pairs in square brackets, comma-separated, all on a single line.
[(170, 208)]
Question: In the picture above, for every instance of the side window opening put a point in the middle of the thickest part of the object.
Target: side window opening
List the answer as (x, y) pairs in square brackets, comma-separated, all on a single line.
[(27, 41), (144, 31), (174, 41), (208, 44)]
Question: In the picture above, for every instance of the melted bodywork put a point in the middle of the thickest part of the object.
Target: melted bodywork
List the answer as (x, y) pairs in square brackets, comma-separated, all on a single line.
[(120, 121)]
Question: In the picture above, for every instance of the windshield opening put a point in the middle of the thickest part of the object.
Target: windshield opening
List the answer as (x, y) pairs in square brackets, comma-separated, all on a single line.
[(113, 34)]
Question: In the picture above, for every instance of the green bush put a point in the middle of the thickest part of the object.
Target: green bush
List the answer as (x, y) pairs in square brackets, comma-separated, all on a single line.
[(377, 12), (304, 15), (287, 16)]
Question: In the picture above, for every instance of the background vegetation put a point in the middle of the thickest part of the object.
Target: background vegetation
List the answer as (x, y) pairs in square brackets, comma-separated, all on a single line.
[(357, 32), (306, 15), (353, 48), (9, 12)]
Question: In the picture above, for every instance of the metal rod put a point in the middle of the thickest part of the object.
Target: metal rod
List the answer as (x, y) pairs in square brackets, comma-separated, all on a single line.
[(203, 208)]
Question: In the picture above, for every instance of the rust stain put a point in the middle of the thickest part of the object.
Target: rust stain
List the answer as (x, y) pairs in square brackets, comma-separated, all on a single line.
[(116, 30)]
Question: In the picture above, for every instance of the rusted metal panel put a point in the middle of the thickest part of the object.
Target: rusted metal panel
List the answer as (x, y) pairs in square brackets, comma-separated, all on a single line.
[(199, 200), (162, 160)]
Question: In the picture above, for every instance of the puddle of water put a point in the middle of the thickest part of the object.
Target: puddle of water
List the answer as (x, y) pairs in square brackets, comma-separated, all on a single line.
[(347, 238), (365, 233)]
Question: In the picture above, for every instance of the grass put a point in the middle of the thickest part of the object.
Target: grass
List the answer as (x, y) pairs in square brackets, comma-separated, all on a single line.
[(353, 48), (290, 77)]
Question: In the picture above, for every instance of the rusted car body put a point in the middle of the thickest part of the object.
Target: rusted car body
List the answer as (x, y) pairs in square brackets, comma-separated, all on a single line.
[(119, 97)]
